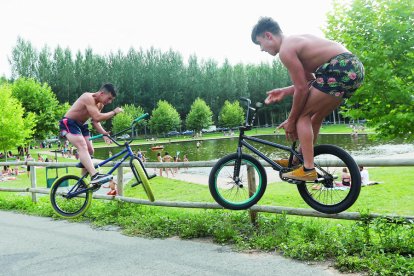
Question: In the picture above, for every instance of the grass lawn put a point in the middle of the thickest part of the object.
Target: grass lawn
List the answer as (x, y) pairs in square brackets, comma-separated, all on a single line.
[(390, 197)]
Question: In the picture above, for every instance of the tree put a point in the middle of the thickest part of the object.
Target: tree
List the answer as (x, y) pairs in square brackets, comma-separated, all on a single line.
[(16, 128), (24, 59), (231, 115), (200, 116), (164, 118), (38, 99), (123, 120), (380, 33), (145, 77), (61, 110)]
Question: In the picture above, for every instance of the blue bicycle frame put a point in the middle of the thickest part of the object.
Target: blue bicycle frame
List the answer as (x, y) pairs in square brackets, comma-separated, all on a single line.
[(128, 153)]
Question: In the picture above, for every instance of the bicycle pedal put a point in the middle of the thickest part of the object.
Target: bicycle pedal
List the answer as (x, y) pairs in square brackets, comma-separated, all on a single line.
[(95, 187), (294, 181), (152, 176)]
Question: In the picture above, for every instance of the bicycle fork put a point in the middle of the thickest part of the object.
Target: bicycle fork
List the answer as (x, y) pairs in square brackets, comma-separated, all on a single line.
[(237, 165)]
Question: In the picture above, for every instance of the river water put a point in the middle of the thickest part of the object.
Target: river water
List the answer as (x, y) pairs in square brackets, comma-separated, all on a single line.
[(361, 146)]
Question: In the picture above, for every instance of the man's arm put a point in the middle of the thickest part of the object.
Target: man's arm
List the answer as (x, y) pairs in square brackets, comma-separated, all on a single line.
[(276, 95), (95, 112), (290, 59), (299, 78), (99, 128)]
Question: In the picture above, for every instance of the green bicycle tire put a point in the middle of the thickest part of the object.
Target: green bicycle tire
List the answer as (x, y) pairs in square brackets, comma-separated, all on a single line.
[(144, 179), (69, 208), (227, 192)]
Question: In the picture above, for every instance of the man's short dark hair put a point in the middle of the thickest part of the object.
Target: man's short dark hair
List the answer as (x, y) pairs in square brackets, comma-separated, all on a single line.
[(265, 24), (108, 88)]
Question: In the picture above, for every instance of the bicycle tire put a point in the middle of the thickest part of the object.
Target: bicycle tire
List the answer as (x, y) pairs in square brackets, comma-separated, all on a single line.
[(73, 207), (230, 194), (328, 196), (141, 176)]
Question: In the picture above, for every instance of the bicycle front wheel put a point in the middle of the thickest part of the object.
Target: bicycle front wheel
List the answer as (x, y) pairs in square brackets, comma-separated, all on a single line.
[(141, 176), (69, 207), (237, 184), (328, 195)]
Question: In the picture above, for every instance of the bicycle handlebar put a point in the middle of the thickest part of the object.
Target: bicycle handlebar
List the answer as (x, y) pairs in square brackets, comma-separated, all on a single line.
[(96, 137), (258, 106), (143, 116)]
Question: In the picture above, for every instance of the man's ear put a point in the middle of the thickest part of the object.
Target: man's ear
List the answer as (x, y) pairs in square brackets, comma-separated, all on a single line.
[(268, 35)]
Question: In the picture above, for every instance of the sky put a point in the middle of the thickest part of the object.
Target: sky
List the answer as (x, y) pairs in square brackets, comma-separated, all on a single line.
[(216, 29)]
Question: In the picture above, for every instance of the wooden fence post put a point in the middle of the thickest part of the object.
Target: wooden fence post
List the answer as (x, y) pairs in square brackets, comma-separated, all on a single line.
[(251, 182), (120, 181), (33, 182)]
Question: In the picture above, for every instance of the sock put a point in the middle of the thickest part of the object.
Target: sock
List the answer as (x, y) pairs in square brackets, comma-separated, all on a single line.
[(307, 170)]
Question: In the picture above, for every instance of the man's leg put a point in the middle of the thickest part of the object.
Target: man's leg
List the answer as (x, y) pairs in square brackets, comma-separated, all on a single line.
[(80, 143), (317, 107), (89, 144)]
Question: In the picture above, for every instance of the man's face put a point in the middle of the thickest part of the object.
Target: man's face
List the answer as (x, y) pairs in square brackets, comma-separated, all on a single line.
[(106, 98), (267, 43)]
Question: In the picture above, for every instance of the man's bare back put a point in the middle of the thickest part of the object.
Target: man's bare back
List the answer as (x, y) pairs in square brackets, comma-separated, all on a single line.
[(312, 51)]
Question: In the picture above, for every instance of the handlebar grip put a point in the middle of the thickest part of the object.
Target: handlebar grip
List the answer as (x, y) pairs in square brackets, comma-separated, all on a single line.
[(95, 137), (143, 116)]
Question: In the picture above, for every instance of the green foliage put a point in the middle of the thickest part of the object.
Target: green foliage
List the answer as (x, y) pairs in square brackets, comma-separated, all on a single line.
[(144, 77), (3, 80), (123, 120), (200, 116), (232, 114), (15, 129), (24, 59), (62, 109), (164, 118), (38, 99), (381, 33)]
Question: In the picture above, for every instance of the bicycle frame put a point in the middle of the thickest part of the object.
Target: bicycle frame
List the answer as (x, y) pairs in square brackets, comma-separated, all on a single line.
[(243, 142), (127, 151), (274, 165), (128, 154)]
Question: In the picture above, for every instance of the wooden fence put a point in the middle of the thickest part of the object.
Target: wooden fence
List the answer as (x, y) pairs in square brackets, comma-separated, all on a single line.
[(34, 190)]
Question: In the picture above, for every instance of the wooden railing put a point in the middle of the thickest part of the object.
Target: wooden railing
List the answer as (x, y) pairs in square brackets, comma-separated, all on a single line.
[(34, 190)]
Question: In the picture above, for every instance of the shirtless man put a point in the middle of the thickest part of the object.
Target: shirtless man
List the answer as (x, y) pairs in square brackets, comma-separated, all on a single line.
[(74, 126), (323, 73)]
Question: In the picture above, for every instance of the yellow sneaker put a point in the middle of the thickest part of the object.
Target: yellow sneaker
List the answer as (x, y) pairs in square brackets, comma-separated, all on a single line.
[(282, 162), (300, 174), (285, 163)]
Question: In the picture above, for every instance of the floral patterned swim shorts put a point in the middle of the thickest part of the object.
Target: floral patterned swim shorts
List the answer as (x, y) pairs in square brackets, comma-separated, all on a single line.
[(340, 76)]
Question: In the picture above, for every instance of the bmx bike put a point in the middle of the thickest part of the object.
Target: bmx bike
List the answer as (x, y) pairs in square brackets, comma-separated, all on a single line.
[(238, 181), (71, 195)]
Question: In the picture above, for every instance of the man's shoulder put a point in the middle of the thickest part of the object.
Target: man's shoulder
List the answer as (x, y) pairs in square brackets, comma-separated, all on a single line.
[(294, 43), (86, 95), (87, 98)]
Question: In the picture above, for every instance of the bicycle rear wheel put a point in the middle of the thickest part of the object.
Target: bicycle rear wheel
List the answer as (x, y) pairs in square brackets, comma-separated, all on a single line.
[(328, 195), (69, 207), (241, 191), (141, 176)]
